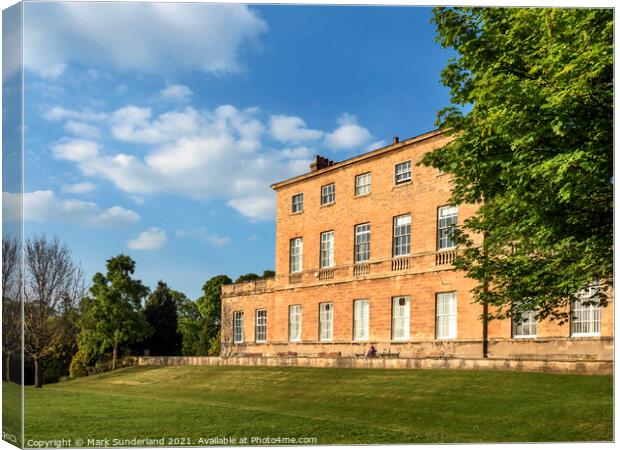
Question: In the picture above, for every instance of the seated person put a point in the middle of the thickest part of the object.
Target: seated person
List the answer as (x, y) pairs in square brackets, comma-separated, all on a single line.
[(372, 352)]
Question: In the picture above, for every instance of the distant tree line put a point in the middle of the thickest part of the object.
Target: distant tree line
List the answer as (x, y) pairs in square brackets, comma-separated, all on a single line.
[(71, 330)]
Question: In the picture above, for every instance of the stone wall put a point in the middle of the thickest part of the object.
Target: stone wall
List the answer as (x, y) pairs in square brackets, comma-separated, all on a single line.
[(526, 365)]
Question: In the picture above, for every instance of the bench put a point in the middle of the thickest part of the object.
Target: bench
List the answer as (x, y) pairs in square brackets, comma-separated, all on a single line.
[(252, 355), (284, 354), (330, 354)]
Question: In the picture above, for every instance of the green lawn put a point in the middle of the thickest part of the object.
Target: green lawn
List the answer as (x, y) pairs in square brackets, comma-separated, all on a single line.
[(12, 412), (332, 405)]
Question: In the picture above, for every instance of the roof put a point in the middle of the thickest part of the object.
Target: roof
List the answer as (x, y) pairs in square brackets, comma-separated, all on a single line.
[(364, 156)]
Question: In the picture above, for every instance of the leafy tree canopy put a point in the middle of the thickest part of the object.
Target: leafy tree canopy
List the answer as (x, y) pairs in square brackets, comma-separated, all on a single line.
[(112, 316), (161, 312), (268, 273), (210, 307), (532, 118), (189, 322), (247, 277)]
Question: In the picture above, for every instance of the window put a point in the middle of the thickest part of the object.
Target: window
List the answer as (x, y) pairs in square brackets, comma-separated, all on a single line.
[(327, 249), (586, 312), (447, 218), (238, 327), (524, 326), (294, 323), (400, 318), (360, 320), (446, 315), (401, 242), (297, 203), (362, 184), (402, 172), (326, 319), (362, 242), (296, 254), (328, 194), (261, 325)]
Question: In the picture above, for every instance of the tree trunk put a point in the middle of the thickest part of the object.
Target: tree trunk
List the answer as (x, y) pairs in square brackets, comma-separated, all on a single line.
[(8, 367), (37, 373), (114, 352)]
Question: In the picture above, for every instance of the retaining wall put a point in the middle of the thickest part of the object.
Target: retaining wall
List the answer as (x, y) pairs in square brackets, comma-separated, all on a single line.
[(526, 365)]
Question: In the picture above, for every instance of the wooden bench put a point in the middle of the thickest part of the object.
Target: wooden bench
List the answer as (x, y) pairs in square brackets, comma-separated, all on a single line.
[(284, 354), (330, 355), (253, 355)]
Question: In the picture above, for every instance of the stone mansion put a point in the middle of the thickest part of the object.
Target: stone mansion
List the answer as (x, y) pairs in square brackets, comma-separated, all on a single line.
[(364, 257)]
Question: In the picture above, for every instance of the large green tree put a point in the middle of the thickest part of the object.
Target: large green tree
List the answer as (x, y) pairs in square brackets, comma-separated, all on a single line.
[(210, 307), (161, 312), (189, 321), (532, 116), (112, 316)]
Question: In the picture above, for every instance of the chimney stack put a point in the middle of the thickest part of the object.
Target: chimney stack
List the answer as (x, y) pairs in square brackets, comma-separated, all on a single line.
[(395, 140), (320, 163)]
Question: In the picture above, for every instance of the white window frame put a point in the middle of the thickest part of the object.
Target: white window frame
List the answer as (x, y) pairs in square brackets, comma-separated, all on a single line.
[(298, 204), (260, 328), (447, 219), (361, 320), (401, 318), (296, 253), (326, 321), (294, 323), (358, 246), (401, 236), (526, 327), (327, 249), (326, 196), (363, 183), (583, 317), (402, 172), (238, 327), (446, 315)]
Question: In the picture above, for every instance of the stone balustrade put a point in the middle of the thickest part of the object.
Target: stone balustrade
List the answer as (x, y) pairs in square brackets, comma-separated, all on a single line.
[(417, 263)]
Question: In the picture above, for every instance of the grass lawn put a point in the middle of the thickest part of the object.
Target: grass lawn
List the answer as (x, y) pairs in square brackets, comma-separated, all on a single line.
[(12, 412), (332, 405)]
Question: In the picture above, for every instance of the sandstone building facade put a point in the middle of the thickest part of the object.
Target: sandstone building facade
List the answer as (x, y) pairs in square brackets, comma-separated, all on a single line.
[(364, 258)]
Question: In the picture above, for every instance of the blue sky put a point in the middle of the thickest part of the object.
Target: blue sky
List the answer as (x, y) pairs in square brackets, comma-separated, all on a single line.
[(155, 130)]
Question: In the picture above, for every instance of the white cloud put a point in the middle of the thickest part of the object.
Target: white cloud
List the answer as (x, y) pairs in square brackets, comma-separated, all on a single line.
[(203, 233), (83, 129), (44, 206), (176, 92), (75, 149), (254, 207), (151, 239), (348, 135), (79, 188), (291, 129), (58, 113), (152, 37), (133, 124), (202, 154)]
